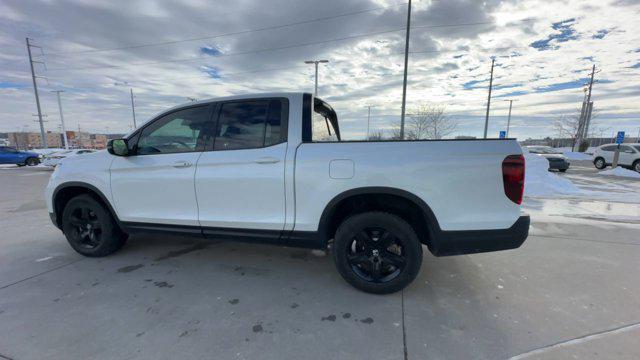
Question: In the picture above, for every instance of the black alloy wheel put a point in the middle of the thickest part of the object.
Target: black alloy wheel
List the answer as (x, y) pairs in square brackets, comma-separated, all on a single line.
[(376, 255), (377, 252), (90, 228), (86, 227)]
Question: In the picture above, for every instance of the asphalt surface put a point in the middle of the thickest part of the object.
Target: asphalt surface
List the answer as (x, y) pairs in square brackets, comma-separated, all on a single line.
[(571, 291)]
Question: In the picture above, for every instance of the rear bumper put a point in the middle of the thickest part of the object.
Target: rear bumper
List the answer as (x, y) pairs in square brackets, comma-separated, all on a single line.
[(478, 241), (559, 165)]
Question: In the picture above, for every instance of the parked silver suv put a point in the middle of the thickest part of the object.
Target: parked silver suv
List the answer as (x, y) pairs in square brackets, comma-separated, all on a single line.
[(629, 156)]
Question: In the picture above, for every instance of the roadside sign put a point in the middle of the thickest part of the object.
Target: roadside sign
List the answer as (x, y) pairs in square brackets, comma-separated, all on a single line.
[(620, 137), (503, 134)]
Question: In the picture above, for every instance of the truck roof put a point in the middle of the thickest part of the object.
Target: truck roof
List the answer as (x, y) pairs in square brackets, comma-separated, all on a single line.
[(239, 97)]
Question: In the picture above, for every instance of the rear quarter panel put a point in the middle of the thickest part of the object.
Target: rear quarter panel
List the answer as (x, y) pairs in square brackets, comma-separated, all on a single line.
[(461, 181)]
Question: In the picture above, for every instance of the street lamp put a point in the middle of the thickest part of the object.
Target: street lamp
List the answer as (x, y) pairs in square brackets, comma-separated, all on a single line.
[(509, 118), (64, 129), (316, 62)]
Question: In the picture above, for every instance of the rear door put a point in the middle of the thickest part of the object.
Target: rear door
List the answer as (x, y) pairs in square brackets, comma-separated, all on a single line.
[(4, 155), (156, 183), (10, 156), (607, 153), (240, 182), (627, 155)]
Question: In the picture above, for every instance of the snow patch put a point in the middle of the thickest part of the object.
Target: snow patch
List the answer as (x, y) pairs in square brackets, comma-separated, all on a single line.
[(540, 182), (620, 171), (573, 155)]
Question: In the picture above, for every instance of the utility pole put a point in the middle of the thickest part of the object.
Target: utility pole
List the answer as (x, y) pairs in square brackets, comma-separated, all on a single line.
[(486, 119), (509, 118), (368, 121), (316, 62), (589, 104), (406, 65), (64, 129), (133, 110), (43, 140)]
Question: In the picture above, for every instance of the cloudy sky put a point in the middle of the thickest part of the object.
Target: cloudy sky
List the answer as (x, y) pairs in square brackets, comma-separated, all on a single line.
[(97, 50)]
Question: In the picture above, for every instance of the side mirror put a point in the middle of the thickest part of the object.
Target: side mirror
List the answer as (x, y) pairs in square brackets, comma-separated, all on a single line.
[(118, 147)]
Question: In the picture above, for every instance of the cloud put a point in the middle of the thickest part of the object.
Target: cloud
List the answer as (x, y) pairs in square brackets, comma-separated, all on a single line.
[(564, 32), (98, 51)]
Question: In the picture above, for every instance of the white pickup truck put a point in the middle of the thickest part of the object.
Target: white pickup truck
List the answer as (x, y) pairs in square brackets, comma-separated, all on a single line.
[(272, 168)]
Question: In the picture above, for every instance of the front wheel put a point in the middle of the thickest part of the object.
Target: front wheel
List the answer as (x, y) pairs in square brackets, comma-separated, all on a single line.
[(562, 170), (599, 163), (377, 252), (636, 166), (90, 228), (32, 161)]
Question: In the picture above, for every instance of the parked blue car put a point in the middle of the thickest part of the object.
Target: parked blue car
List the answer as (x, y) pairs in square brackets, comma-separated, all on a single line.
[(9, 155)]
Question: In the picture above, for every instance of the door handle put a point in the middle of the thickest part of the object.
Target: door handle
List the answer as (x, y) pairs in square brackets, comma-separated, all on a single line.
[(267, 160), (181, 164)]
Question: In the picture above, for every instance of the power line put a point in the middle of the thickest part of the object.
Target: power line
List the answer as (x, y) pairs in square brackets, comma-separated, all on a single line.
[(274, 27), (208, 57)]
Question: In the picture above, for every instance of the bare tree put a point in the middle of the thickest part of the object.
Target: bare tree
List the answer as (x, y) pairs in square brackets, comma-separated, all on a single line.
[(376, 135), (429, 122), (395, 132), (569, 125)]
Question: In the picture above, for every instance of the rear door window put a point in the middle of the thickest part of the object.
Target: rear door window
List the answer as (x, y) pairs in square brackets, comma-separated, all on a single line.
[(251, 124)]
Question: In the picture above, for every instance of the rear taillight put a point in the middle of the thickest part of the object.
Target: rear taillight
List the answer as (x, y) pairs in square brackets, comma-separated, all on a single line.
[(513, 177)]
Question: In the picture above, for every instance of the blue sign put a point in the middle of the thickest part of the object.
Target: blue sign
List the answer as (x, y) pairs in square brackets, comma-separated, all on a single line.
[(503, 134), (620, 137)]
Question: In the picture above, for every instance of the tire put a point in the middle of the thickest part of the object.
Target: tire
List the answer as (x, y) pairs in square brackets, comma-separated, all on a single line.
[(636, 166), (377, 252), (90, 228), (599, 163), (562, 170), (32, 161)]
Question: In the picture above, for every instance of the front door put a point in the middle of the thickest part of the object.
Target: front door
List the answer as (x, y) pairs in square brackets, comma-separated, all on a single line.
[(156, 183), (240, 183)]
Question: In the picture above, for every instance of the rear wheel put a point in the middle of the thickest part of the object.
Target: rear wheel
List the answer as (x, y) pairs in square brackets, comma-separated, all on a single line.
[(377, 252), (90, 228), (32, 161), (599, 163)]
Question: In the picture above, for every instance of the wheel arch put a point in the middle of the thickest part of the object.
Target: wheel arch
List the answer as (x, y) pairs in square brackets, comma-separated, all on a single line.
[(415, 210), (66, 191)]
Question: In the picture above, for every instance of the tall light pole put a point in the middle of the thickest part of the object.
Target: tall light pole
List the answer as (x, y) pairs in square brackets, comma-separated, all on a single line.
[(316, 62), (406, 65), (64, 129), (486, 119), (133, 111), (509, 118)]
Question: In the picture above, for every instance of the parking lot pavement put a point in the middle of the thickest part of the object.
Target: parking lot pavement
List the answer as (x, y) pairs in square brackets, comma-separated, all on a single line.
[(572, 290)]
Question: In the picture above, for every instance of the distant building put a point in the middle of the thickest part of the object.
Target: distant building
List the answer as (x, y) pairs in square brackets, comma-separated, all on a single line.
[(31, 140)]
